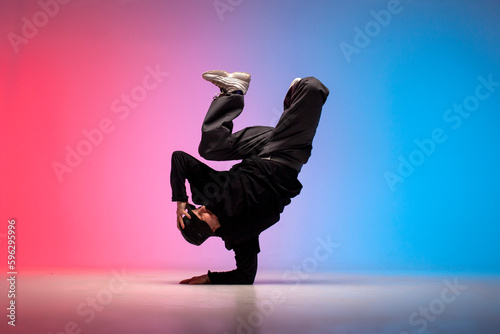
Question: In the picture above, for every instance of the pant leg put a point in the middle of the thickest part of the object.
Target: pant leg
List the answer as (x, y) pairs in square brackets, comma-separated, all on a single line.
[(217, 140), (292, 137)]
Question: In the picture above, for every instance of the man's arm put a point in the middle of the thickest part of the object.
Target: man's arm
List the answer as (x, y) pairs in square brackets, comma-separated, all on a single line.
[(178, 175), (246, 265)]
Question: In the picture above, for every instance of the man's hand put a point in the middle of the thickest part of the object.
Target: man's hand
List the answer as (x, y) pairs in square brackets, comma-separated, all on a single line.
[(181, 210), (203, 279)]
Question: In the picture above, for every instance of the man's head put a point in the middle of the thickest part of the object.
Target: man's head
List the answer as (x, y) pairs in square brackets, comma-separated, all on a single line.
[(201, 226)]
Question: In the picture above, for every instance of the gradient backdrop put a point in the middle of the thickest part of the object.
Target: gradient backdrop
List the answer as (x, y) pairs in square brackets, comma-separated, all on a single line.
[(404, 171)]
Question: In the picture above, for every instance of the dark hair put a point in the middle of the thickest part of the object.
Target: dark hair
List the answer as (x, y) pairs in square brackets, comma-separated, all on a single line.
[(195, 230)]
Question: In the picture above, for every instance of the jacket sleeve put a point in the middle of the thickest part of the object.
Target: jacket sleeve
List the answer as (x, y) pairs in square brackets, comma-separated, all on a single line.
[(246, 265), (178, 176)]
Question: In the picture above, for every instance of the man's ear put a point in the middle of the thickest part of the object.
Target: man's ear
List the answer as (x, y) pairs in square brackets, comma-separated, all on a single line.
[(203, 209)]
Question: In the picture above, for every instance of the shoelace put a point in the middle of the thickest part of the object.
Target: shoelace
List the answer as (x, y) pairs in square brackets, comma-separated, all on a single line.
[(222, 92)]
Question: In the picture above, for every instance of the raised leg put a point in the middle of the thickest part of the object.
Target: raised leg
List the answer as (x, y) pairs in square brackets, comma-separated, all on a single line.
[(292, 137), (218, 142)]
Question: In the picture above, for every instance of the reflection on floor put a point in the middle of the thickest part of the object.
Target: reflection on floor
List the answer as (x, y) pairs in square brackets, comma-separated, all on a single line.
[(342, 303)]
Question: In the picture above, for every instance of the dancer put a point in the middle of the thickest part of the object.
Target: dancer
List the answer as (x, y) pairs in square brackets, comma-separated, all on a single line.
[(237, 205)]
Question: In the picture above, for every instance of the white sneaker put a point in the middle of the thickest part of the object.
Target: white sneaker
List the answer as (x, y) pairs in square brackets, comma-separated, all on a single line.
[(294, 82), (229, 82)]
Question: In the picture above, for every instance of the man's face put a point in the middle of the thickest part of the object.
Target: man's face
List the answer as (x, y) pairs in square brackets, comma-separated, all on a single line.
[(208, 217)]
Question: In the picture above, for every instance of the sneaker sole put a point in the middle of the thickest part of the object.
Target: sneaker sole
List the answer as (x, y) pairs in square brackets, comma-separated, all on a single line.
[(229, 81), (296, 80)]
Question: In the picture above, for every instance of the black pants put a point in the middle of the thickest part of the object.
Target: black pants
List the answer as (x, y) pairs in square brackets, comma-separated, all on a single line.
[(250, 197), (289, 141)]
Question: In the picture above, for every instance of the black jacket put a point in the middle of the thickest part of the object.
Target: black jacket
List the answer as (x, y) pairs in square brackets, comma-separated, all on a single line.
[(247, 200)]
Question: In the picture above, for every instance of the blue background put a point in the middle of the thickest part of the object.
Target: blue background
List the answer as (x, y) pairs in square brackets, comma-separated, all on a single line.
[(396, 90)]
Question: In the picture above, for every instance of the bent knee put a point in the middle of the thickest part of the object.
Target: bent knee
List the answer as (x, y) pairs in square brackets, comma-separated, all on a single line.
[(206, 152), (314, 86), (179, 155)]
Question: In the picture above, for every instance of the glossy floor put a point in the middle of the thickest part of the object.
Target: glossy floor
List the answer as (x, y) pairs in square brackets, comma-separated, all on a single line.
[(342, 303)]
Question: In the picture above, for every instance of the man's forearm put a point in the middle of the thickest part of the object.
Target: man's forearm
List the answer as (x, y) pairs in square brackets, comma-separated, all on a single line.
[(178, 177), (246, 265), (233, 277)]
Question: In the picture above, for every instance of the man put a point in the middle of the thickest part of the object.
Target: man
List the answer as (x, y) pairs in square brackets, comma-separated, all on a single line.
[(237, 205)]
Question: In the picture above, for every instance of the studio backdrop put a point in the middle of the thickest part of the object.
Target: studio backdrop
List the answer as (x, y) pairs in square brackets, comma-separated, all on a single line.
[(96, 95)]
